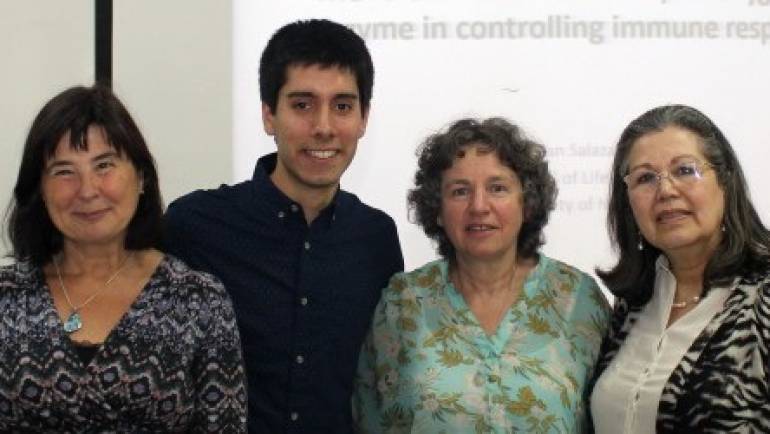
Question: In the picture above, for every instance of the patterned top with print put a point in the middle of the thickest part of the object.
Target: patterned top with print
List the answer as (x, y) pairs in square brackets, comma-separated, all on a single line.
[(427, 365), (173, 362)]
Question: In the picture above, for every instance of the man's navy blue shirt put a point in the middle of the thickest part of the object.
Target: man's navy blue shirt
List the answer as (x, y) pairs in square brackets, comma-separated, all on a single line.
[(303, 294)]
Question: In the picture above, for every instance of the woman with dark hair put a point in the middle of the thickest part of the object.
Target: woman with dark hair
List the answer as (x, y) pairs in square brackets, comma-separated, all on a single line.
[(495, 336), (688, 346), (101, 331)]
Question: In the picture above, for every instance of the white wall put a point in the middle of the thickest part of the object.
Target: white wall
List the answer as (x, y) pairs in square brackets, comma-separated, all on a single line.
[(172, 63), (46, 46), (171, 67)]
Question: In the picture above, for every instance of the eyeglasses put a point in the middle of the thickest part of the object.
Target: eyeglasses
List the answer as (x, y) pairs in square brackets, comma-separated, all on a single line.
[(646, 180)]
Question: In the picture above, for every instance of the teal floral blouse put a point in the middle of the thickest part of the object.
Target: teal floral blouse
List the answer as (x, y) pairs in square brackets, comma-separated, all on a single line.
[(427, 366)]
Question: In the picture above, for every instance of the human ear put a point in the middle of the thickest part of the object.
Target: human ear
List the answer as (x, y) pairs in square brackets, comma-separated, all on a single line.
[(268, 119)]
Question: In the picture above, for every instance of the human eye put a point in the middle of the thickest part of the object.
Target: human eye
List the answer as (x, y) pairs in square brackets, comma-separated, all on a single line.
[(343, 107), (61, 171), (300, 104), (458, 192), (498, 188), (104, 165), (685, 170), (644, 177)]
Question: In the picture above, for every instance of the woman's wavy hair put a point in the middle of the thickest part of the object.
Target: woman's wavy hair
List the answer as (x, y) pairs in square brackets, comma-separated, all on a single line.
[(32, 234), (745, 246), (523, 155)]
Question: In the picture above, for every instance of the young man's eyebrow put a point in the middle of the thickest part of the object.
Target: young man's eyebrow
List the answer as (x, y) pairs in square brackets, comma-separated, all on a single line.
[(346, 95), (307, 94), (300, 94)]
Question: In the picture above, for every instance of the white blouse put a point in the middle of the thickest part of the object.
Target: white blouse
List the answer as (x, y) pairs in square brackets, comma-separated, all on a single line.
[(626, 396)]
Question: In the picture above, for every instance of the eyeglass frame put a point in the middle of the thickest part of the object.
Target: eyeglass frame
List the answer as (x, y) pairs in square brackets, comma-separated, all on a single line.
[(701, 167)]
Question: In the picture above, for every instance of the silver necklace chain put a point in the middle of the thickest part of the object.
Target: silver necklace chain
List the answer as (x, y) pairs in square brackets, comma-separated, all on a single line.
[(74, 322)]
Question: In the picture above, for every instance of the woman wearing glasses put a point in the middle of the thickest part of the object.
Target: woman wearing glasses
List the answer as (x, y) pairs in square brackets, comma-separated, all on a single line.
[(688, 347)]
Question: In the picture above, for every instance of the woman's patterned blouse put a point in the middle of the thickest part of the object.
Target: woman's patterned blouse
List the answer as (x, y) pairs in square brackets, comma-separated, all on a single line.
[(427, 365), (172, 364)]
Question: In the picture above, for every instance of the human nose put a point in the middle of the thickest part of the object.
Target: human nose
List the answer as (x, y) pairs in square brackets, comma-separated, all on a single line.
[(89, 186), (322, 125), (669, 186), (479, 201)]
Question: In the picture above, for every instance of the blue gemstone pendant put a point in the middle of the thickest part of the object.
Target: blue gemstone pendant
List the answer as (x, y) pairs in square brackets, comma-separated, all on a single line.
[(73, 323)]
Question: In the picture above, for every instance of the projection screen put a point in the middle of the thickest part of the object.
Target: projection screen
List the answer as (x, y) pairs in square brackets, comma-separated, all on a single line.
[(572, 74)]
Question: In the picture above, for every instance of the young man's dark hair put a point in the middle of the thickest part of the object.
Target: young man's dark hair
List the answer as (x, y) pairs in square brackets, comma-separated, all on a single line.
[(314, 42), (303, 260)]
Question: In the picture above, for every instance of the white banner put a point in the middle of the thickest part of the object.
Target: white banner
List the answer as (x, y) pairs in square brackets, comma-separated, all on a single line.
[(572, 74)]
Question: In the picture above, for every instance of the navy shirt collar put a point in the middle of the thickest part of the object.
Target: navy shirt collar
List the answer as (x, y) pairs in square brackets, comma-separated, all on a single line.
[(267, 194)]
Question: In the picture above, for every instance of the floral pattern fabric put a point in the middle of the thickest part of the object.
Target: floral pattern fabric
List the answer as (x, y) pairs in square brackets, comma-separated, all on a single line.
[(427, 366)]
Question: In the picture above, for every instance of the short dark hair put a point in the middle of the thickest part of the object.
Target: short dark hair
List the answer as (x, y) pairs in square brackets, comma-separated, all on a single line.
[(523, 155), (314, 42), (745, 246), (32, 234)]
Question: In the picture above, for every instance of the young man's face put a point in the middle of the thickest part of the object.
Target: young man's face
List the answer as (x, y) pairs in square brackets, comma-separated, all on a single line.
[(316, 125)]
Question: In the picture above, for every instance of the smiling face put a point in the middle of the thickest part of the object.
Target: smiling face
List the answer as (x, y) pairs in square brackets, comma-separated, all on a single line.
[(675, 217), (90, 195), (481, 206), (316, 125)]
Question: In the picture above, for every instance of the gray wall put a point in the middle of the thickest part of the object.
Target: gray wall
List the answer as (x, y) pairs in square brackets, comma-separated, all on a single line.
[(172, 69)]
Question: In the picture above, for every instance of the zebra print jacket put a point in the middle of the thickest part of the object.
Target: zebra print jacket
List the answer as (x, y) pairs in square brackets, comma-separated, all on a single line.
[(721, 384)]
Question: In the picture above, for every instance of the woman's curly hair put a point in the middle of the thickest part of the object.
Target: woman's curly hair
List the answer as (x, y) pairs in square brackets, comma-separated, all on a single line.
[(523, 155)]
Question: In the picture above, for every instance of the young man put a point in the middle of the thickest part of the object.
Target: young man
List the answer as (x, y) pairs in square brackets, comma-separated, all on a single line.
[(303, 260)]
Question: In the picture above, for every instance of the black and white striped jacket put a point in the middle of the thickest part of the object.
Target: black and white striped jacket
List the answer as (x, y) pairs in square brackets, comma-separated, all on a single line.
[(721, 384)]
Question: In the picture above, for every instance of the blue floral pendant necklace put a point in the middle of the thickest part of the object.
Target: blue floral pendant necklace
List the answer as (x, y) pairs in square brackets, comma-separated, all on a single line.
[(74, 322)]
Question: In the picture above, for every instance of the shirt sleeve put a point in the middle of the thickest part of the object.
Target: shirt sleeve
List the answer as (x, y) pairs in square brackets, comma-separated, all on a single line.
[(594, 311), (174, 234), (763, 324), (395, 249), (218, 372), (377, 369)]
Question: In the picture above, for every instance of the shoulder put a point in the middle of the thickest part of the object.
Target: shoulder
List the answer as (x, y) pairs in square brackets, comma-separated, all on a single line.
[(205, 201), (581, 294), (752, 292), (427, 279), (21, 288), (18, 274), (195, 221), (757, 279), (180, 276), (357, 210), (565, 273), (200, 299)]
